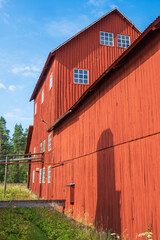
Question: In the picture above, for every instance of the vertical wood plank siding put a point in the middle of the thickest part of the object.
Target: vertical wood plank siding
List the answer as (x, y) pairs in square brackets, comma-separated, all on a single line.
[(110, 145), (85, 52), (112, 142)]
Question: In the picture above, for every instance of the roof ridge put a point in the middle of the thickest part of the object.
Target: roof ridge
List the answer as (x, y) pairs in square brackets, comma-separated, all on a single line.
[(152, 26), (90, 25), (52, 53)]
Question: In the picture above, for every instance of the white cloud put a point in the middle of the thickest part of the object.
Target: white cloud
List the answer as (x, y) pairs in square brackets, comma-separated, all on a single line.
[(1, 3), (16, 115), (18, 110), (11, 88), (98, 13), (2, 85), (10, 115), (65, 27), (29, 74), (26, 71), (97, 3), (113, 6)]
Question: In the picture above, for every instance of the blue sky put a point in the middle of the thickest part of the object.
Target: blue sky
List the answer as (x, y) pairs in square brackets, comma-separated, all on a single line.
[(30, 29)]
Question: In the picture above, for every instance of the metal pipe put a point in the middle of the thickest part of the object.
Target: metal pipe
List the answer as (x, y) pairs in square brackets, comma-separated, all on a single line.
[(5, 177), (30, 154), (22, 159), (10, 163)]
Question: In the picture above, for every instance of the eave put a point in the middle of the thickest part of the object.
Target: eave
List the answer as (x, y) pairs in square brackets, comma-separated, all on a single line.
[(53, 52), (29, 137), (116, 64)]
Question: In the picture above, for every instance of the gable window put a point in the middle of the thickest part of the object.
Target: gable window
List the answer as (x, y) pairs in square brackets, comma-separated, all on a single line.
[(40, 147), (49, 174), (106, 38), (44, 145), (43, 176), (42, 96), (40, 176), (33, 176), (123, 41), (35, 109), (50, 81), (49, 142), (81, 76)]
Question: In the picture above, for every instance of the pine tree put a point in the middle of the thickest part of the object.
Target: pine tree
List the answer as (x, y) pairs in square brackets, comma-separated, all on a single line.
[(18, 173), (5, 145)]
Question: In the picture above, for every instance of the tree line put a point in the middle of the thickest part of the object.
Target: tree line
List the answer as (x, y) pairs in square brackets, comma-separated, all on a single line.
[(17, 173)]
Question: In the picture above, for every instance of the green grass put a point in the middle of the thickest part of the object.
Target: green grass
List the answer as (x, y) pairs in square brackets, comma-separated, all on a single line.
[(16, 192), (14, 226), (41, 224)]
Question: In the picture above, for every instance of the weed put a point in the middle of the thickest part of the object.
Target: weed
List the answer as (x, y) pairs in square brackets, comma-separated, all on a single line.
[(148, 234)]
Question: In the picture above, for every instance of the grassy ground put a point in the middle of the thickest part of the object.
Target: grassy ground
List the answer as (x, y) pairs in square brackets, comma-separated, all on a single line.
[(38, 223), (16, 192), (41, 224)]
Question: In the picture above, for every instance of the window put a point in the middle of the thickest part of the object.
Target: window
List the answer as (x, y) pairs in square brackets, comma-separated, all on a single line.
[(49, 174), (42, 96), (40, 147), (123, 41), (34, 151), (33, 176), (35, 109), (49, 142), (50, 81), (81, 76), (43, 176), (44, 143), (106, 38), (40, 176)]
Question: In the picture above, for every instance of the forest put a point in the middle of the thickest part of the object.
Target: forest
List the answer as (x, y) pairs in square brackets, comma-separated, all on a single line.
[(17, 173)]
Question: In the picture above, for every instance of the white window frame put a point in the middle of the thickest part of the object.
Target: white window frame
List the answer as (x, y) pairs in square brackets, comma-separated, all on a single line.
[(43, 175), (49, 142), (34, 151), (35, 109), (106, 39), (42, 99), (44, 145), (50, 81), (33, 176), (119, 40), (40, 176), (76, 76), (49, 174), (41, 147)]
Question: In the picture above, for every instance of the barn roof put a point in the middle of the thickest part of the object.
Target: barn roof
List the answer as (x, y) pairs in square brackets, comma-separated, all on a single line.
[(29, 137), (117, 63), (52, 53)]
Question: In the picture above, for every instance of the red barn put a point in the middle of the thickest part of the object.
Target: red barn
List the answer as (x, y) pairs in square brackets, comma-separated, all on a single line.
[(96, 118)]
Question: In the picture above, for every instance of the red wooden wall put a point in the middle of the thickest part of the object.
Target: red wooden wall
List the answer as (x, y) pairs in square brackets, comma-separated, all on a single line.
[(110, 147), (86, 52), (83, 51)]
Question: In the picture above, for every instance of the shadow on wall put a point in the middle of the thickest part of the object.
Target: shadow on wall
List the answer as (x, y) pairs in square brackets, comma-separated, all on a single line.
[(108, 199)]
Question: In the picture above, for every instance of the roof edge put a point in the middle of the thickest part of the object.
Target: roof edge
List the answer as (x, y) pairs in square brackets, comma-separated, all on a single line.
[(44, 71), (152, 27), (40, 80), (29, 137), (90, 25)]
